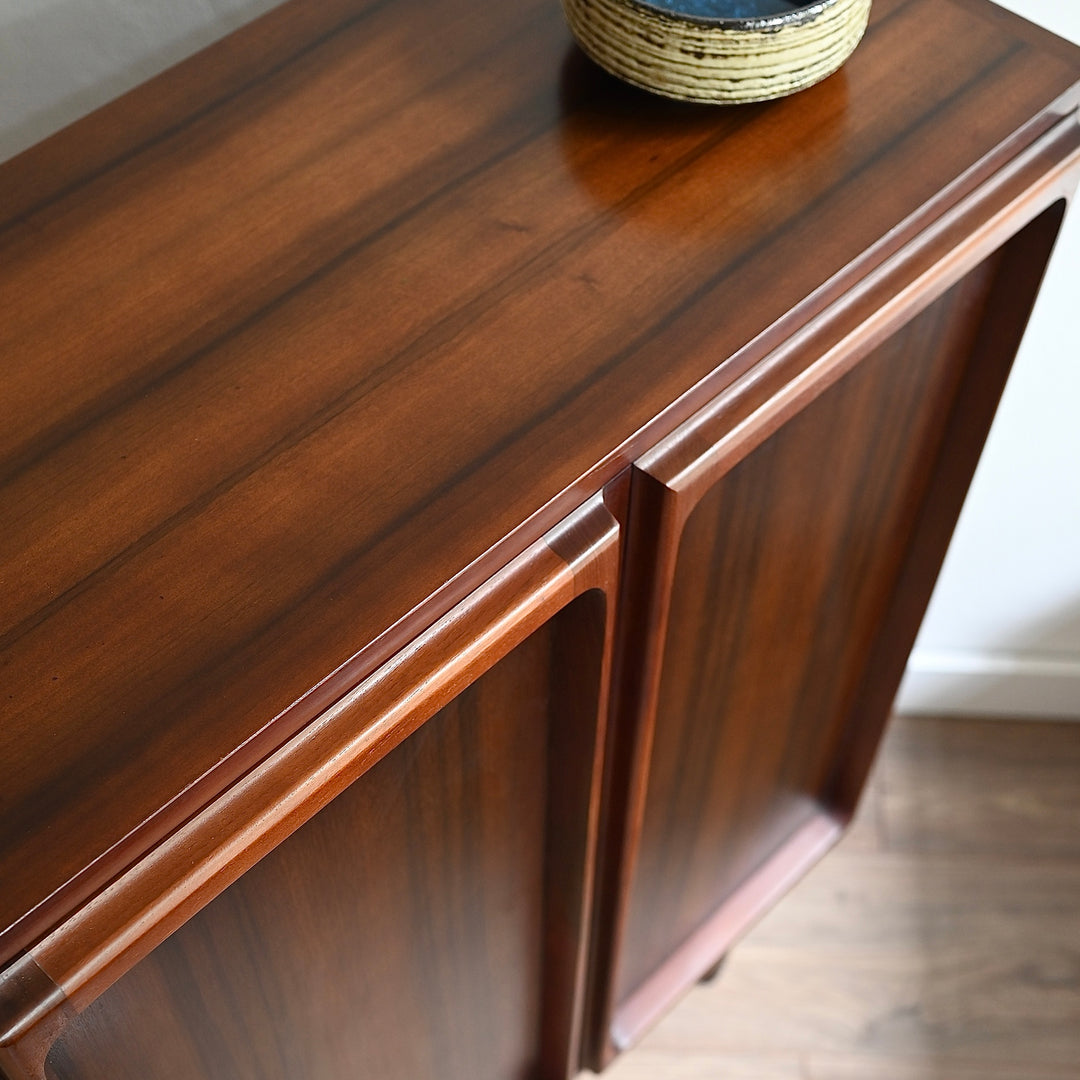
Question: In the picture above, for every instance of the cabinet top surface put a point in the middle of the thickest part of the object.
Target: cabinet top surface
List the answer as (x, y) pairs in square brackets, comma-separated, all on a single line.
[(302, 329)]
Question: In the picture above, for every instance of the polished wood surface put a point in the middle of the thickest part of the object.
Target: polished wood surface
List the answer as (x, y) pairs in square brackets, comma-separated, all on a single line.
[(290, 332), (422, 925), (575, 564), (378, 405), (775, 583), (779, 580), (937, 942)]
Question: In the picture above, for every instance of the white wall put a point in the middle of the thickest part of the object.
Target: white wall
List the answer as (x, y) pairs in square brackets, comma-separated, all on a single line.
[(1003, 630), (60, 59), (1002, 635)]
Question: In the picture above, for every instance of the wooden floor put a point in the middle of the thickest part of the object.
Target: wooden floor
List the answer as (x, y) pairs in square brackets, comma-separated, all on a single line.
[(939, 941)]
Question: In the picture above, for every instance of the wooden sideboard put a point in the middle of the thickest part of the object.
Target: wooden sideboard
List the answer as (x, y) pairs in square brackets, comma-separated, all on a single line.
[(464, 521)]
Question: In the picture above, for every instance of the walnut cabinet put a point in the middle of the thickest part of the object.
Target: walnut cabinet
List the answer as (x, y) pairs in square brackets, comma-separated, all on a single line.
[(465, 521)]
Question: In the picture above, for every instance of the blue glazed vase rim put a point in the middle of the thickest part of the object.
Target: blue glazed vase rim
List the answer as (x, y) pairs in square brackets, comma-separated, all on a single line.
[(695, 11)]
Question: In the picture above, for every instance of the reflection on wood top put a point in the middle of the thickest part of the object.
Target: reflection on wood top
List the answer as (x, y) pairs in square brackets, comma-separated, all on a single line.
[(337, 313)]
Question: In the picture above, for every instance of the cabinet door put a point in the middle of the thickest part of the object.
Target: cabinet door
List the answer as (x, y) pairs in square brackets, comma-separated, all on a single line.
[(429, 920), (782, 548)]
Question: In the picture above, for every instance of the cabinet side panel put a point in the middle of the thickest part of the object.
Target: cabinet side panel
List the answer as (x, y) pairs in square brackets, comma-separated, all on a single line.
[(399, 934), (784, 570)]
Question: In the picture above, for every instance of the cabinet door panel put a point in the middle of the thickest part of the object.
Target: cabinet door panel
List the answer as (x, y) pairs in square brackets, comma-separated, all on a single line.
[(777, 572), (428, 921)]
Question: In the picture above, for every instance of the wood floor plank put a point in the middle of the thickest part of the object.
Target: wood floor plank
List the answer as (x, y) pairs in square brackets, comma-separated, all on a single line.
[(869, 1068), (932, 944), (923, 907), (647, 1065), (996, 787)]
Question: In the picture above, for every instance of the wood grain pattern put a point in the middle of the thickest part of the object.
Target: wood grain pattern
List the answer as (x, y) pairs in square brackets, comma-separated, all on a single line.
[(1010, 792), (779, 563), (924, 947), (780, 576), (575, 565), (412, 929), (257, 437)]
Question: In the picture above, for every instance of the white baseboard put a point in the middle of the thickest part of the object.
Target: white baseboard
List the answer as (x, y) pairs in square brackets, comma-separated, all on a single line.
[(990, 684)]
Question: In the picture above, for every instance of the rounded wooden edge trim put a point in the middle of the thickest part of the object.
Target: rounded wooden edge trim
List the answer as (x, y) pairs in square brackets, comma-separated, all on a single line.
[(33, 1012), (27, 996), (109, 934), (587, 542), (745, 413)]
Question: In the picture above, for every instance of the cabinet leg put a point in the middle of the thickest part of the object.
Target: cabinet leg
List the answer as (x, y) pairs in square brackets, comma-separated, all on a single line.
[(713, 973)]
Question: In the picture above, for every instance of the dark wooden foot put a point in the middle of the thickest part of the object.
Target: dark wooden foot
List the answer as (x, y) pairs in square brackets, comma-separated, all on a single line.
[(711, 975)]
